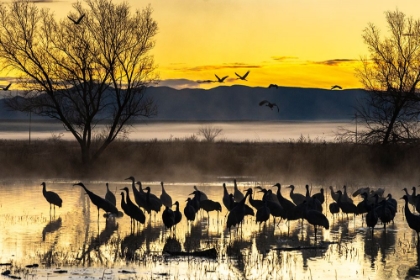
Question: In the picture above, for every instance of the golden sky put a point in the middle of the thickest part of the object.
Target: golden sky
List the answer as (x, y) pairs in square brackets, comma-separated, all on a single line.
[(302, 43)]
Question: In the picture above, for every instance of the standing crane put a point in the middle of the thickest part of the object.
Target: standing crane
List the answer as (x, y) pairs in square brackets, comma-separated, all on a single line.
[(165, 197), (51, 197), (98, 201), (110, 196)]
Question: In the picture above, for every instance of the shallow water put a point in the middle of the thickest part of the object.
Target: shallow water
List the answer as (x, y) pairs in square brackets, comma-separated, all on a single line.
[(73, 244), (231, 131)]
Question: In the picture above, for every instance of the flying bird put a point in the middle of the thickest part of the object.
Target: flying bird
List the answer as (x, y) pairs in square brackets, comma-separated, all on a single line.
[(220, 80), (7, 87), (242, 77), (78, 20), (269, 105), (336, 87), (273, 86)]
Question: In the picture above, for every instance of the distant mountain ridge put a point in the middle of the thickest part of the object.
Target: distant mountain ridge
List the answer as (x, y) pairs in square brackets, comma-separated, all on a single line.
[(240, 103)]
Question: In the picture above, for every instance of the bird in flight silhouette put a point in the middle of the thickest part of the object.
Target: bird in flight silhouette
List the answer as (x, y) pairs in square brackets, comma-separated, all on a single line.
[(336, 87), (273, 86), (78, 20), (220, 80), (269, 105), (242, 77), (7, 87)]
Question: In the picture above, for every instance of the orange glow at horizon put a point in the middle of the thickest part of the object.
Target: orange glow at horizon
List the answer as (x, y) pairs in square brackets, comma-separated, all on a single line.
[(300, 43)]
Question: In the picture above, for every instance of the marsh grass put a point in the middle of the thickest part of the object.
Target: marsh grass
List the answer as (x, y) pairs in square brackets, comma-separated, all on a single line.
[(189, 159)]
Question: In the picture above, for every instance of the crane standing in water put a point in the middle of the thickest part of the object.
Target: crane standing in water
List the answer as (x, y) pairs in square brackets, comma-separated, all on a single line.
[(99, 202), (51, 197)]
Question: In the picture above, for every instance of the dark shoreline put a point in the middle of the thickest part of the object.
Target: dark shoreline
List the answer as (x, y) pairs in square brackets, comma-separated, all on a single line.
[(192, 160)]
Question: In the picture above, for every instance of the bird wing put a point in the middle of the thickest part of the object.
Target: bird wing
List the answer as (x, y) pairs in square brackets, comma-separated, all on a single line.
[(246, 74), (238, 75), (278, 109), (336, 86), (224, 78), (263, 102), (7, 87), (71, 19), (218, 77), (80, 19)]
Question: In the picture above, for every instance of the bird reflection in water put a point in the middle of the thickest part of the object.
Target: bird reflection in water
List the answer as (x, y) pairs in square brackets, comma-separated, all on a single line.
[(51, 227), (94, 244)]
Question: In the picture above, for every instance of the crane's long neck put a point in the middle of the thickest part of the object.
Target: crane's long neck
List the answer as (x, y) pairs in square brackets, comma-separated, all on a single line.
[(414, 192), (122, 199), (128, 196), (44, 189), (177, 207), (407, 209), (225, 190)]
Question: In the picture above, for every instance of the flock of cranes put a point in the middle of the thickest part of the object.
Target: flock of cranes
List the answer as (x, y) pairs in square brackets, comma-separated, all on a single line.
[(373, 207)]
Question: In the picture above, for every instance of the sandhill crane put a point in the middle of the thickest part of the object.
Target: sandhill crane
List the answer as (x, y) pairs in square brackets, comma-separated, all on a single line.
[(334, 195), (209, 205), (334, 208), (364, 205), (203, 196), (98, 201), (237, 195), (256, 203), (297, 198), (292, 211), (273, 86), (51, 197), (372, 215), (413, 221), (177, 213), (168, 217), (386, 211), (189, 211), (152, 201), (195, 201), (133, 211), (269, 104), (7, 87), (226, 198), (248, 210), (263, 212), (336, 87), (410, 198), (361, 191), (345, 196), (221, 80), (78, 20), (345, 206), (272, 197), (237, 213), (165, 197), (139, 197), (276, 210), (242, 77), (315, 218), (319, 196), (312, 203), (110, 196)]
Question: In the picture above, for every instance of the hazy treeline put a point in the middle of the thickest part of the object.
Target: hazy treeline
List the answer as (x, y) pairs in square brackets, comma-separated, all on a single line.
[(297, 162)]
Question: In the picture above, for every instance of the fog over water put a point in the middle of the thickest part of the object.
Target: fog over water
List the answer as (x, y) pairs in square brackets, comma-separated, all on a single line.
[(231, 131)]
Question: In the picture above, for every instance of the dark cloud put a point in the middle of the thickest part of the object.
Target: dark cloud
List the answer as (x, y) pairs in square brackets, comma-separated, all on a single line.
[(283, 58), (335, 62)]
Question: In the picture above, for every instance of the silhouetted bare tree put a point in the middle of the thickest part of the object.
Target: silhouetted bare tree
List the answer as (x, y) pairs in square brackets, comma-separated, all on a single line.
[(390, 112), (91, 76)]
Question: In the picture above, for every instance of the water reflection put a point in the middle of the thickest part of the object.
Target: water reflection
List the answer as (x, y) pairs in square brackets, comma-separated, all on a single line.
[(51, 227), (268, 251)]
